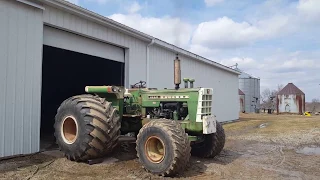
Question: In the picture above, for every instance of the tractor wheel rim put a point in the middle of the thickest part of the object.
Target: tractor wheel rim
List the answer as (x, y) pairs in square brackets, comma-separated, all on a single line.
[(69, 129), (155, 149)]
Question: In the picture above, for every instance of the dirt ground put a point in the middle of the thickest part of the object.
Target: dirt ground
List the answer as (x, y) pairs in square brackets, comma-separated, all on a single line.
[(258, 146)]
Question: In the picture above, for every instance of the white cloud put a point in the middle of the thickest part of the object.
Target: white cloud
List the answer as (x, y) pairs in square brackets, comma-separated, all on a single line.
[(226, 33), (204, 51), (172, 30), (210, 3), (309, 8), (296, 65), (244, 63), (134, 7)]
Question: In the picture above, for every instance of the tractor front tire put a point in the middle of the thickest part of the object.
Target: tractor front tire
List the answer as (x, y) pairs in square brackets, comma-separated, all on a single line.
[(163, 147), (86, 127), (212, 144)]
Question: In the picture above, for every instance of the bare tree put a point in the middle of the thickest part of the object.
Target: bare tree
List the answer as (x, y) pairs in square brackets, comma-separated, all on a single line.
[(279, 88), (265, 98), (266, 94), (268, 97), (315, 104)]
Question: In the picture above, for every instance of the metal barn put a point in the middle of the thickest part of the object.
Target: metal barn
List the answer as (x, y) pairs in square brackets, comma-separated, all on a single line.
[(250, 86), (51, 49), (291, 100)]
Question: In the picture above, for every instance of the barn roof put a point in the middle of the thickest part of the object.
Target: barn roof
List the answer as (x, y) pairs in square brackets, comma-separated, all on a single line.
[(289, 89), (240, 92)]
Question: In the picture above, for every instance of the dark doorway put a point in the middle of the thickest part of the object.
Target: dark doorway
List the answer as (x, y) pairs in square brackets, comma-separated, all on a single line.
[(66, 73)]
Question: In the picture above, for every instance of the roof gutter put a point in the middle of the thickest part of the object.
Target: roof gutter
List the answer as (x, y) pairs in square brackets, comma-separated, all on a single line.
[(31, 4), (148, 60)]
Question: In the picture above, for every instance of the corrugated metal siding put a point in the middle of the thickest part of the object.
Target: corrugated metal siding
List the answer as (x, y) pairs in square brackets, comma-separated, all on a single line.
[(225, 84), (242, 102), (251, 88), (137, 48), (20, 78)]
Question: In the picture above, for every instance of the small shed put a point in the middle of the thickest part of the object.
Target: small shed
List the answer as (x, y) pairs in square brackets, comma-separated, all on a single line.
[(291, 100), (242, 101)]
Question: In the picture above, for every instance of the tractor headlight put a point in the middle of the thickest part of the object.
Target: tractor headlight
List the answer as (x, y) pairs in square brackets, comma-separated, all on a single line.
[(116, 89)]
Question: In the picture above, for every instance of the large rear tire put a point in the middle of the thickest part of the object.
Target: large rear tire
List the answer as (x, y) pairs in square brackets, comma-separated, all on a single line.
[(212, 144), (163, 147), (86, 127)]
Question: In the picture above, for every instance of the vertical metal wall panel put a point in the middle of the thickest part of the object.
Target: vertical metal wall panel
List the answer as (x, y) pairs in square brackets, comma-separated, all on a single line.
[(137, 48), (225, 85), (242, 102), (251, 88), (258, 93), (20, 78)]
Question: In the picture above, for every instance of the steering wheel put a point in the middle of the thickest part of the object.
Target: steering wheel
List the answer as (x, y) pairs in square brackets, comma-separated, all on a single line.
[(142, 84)]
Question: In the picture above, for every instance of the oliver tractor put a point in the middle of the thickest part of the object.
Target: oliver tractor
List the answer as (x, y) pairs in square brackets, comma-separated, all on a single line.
[(169, 125)]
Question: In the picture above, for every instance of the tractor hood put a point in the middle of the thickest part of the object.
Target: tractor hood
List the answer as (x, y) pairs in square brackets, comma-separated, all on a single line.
[(170, 90)]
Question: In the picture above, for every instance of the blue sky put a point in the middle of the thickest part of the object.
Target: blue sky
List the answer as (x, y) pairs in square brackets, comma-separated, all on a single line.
[(275, 40)]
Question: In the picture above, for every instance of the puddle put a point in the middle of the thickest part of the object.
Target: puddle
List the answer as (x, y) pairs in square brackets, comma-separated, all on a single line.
[(313, 150), (263, 125)]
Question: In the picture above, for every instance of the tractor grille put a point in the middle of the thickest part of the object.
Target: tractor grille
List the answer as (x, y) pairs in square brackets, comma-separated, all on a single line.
[(206, 105)]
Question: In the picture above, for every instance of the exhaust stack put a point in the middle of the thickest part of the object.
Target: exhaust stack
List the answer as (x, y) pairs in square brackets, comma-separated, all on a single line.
[(191, 82), (186, 80), (177, 73)]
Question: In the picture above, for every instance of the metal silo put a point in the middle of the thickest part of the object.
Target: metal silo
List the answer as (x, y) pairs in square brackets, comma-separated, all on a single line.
[(250, 86)]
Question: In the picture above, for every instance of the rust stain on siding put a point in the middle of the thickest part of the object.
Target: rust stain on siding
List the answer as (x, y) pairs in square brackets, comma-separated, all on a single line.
[(299, 101)]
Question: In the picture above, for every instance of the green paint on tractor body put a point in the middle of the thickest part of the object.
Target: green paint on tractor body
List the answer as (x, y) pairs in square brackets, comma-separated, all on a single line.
[(137, 106)]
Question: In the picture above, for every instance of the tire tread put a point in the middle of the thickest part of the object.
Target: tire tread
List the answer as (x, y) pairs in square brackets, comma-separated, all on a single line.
[(180, 142), (88, 105), (214, 143)]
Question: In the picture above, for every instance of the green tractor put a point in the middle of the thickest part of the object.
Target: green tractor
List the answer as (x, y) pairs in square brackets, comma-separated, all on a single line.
[(169, 125)]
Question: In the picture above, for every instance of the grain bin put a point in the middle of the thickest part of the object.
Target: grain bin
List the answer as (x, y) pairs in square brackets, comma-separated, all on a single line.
[(250, 86)]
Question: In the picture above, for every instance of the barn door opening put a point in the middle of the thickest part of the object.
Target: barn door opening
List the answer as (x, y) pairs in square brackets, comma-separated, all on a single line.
[(66, 73)]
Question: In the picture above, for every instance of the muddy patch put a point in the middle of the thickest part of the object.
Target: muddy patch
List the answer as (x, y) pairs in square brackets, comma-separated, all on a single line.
[(257, 147)]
